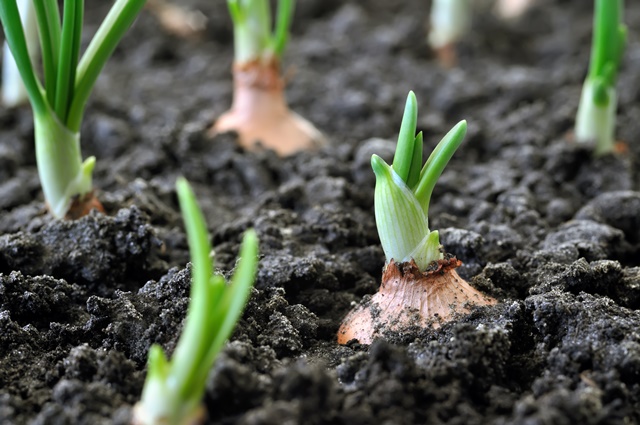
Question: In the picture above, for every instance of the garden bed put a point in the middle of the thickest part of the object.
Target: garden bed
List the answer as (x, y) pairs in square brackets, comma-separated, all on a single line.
[(539, 224)]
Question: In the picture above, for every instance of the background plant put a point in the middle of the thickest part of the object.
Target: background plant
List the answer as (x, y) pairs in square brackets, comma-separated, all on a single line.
[(596, 118), (58, 103), (449, 21), (259, 113), (13, 91)]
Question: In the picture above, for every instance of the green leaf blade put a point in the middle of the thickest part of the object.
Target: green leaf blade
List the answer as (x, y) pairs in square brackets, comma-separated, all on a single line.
[(403, 157), (400, 220), (235, 297), (427, 251), (235, 10), (283, 23), (416, 162), (121, 16), (48, 17), (192, 346), (609, 36), (68, 56), (158, 365), (437, 162), (214, 308)]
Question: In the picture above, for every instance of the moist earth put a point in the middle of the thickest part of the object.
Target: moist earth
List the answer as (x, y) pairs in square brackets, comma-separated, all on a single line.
[(541, 225)]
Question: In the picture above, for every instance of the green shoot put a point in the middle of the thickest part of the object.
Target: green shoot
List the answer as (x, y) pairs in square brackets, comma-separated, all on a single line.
[(596, 118), (58, 103), (13, 91), (403, 191), (174, 389), (254, 38)]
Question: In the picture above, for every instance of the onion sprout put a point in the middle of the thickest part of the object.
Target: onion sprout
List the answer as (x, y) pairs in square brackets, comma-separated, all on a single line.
[(596, 118), (58, 103), (403, 191), (173, 390)]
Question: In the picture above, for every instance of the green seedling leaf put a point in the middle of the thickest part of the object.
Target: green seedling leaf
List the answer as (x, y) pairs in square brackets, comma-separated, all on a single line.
[(401, 221), (49, 27), (283, 23), (173, 389), (437, 162), (403, 158), (416, 162)]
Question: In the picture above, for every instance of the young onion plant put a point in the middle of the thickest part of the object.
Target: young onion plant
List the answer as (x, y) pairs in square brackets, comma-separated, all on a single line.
[(419, 283), (173, 390), (13, 91), (596, 118), (403, 191), (59, 101), (259, 112)]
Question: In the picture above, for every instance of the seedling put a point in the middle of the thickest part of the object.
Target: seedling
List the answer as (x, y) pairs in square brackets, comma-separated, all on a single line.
[(596, 119), (449, 22), (419, 283), (259, 112), (13, 91), (174, 389), (59, 102)]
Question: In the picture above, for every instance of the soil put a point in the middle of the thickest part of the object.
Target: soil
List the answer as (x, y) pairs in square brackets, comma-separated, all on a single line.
[(539, 224)]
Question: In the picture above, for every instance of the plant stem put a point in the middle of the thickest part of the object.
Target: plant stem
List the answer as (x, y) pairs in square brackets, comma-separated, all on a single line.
[(62, 173), (596, 122), (596, 117)]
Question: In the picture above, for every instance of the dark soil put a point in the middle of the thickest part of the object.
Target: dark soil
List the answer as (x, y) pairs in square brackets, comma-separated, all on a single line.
[(540, 225)]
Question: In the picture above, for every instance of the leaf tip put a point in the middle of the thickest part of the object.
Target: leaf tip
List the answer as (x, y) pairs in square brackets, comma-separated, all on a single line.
[(380, 167)]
